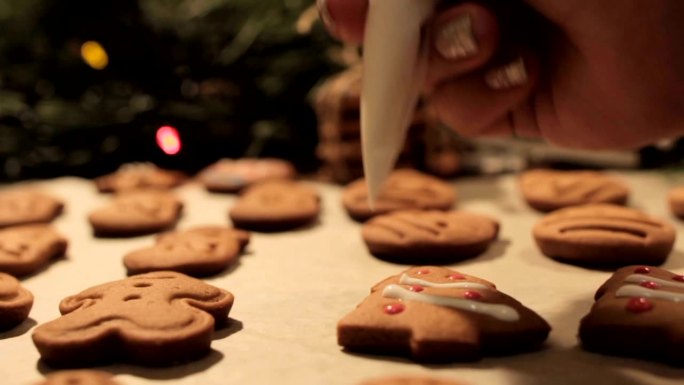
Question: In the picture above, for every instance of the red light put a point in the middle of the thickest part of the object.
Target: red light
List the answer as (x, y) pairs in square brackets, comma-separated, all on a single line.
[(168, 140)]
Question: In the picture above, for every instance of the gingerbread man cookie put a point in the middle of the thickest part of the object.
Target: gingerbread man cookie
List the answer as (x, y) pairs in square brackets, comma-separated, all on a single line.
[(404, 189), (15, 302), (639, 312), (136, 213), (79, 377), (200, 251), (153, 319), (23, 206), (415, 236), (25, 249), (437, 314), (548, 190), (276, 205), (229, 176), (410, 380)]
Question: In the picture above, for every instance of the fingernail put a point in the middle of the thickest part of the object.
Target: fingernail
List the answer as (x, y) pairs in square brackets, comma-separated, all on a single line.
[(325, 15), (510, 75), (455, 39)]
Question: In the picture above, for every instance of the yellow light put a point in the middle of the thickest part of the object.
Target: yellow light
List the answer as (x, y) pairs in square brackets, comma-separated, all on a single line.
[(94, 55)]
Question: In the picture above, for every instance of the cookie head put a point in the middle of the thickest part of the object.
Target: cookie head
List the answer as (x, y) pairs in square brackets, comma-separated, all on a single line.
[(152, 319), (23, 206), (604, 234), (439, 237), (404, 189), (15, 302)]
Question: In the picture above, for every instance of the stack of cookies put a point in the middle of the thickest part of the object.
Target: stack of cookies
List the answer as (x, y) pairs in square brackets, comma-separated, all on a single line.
[(428, 146)]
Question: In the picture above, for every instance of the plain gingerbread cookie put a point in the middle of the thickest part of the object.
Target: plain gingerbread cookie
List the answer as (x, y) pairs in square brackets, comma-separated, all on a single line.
[(15, 302), (78, 377), (139, 176), (23, 206), (25, 249)]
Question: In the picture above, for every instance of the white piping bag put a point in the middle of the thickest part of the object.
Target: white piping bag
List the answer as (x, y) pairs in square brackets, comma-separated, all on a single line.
[(394, 61)]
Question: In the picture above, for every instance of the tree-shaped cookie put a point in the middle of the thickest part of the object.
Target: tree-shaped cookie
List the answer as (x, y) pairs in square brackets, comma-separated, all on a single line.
[(638, 312), (437, 314), (25, 249), (154, 319), (15, 302), (199, 251)]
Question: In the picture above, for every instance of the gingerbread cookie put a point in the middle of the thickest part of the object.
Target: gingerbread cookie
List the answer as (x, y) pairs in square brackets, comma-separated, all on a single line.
[(79, 377), (638, 312), (406, 380), (415, 236), (136, 213), (154, 319), (25, 249), (437, 314), (200, 251), (276, 205), (675, 199), (404, 189), (229, 176), (24, 206), (137, 176), (15, 302), (604, 234), (547, 190)]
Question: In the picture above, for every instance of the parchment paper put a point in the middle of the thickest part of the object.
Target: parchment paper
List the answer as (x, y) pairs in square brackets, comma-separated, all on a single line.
[(292, 288)]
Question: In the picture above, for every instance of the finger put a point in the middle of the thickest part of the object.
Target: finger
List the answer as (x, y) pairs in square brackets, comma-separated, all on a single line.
[(463, 38), (492, 101), (345, 19)]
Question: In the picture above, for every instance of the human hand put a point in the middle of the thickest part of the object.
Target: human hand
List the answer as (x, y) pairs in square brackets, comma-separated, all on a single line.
[(579, 73)]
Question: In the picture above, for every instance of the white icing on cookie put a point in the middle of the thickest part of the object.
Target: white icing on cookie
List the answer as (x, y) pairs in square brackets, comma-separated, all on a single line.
[(639, 291), (408, 280), (639, 278), (498, 311)]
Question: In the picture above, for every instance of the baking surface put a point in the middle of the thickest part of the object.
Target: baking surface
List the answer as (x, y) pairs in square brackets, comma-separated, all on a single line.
[(292, 288)]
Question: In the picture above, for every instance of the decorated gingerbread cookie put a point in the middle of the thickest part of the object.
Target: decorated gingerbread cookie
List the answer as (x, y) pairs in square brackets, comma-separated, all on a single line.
[(199, 251), (404, 189), (23, 206), (276, 205), (604, 234), (79, 377), (638, 312), (437, 314), (153, 319), (136, 176), (15, 302), (25, 249), (229, 175), (547, 190), (415, 236), (136, 213)]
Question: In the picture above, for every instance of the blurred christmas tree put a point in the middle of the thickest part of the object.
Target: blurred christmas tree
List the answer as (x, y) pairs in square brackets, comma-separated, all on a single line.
[(85, 85)]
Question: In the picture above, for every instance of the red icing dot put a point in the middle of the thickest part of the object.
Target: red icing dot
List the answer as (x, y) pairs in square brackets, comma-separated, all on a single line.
[(394, 308), (472, 294), (416, 288), (455, 276), (639, 305), (423, 271), (642, 270), (650, 285), (679, 278)]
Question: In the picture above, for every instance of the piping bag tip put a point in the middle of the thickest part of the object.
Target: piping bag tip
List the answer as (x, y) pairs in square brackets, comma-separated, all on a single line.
[(393, 70)]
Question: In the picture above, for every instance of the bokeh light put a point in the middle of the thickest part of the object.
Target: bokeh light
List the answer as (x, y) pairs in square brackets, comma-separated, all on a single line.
[(94, 54), (168, 140)]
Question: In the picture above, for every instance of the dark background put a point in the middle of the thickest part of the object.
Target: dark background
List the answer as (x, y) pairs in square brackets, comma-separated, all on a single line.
[(233, 76)]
